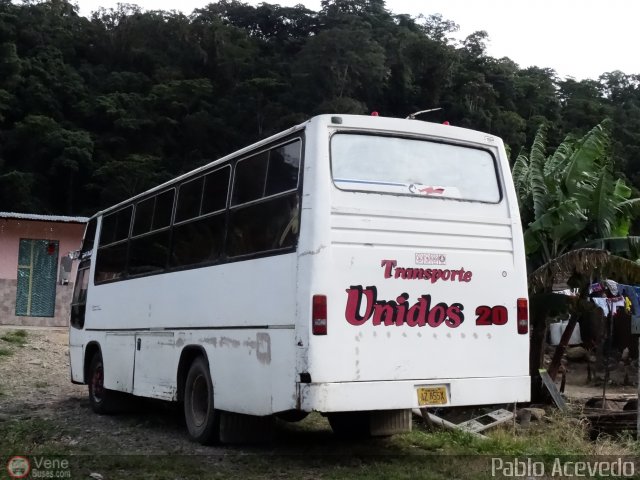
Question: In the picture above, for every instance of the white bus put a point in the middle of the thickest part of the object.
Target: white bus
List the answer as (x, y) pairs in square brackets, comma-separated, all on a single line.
[(351, 265)]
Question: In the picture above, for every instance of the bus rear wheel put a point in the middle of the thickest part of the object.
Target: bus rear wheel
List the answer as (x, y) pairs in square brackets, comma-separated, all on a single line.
[(102, 400), (199, 413)]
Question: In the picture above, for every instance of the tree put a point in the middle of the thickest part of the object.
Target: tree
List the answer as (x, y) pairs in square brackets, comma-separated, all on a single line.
[(341, 63)]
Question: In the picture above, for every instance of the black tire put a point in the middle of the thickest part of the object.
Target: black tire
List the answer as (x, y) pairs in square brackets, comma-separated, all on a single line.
[(199, 413), (349, 425), (103, 401)]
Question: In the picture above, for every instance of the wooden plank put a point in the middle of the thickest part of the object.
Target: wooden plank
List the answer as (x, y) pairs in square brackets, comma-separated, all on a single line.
[(487, 421), (430, 419), (551, 387)]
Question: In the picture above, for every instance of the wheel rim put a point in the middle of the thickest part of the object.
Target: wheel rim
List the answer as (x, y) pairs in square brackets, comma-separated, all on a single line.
[(97, 384), (199, 400)]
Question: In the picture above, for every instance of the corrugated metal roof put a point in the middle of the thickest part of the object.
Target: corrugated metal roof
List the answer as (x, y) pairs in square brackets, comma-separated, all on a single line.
[(43, 218)]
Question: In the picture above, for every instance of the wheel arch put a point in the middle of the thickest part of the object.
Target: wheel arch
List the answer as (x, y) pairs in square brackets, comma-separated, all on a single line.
[(90, 351), (187, 356)]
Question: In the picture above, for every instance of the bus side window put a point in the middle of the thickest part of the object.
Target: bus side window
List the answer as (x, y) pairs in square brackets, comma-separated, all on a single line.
[(284, 164), (263, 226), (216, 189), (198, 242), (112, 250), (249, 179), (111, 262), (201, 241), (271, 222), (149, 245), (189, 199), (144, 216)]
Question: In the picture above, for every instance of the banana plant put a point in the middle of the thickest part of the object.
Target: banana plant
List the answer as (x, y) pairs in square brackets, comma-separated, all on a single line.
[(571, 197), (570, 200)]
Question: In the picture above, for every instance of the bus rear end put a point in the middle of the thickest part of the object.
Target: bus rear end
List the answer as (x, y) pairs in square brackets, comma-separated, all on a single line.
[(412, 273)]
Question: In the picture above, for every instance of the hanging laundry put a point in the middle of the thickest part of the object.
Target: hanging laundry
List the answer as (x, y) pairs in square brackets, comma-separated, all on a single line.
[(612, 286), (615, 303), (603, 303), (595, 288), (630, 292)]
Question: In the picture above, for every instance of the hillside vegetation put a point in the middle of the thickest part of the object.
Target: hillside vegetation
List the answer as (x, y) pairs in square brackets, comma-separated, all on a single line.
[(93, 110)]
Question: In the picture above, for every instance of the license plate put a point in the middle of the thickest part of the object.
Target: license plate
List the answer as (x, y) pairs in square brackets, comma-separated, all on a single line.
[(432, 396)]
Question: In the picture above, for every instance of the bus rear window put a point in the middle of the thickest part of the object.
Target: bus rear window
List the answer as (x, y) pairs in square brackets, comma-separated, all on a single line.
[(408, 166)]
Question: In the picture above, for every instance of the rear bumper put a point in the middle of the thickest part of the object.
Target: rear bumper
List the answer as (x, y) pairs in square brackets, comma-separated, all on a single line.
[(401, 394)]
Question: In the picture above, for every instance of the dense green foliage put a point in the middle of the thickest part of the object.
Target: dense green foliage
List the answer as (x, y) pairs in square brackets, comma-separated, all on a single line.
[(571, 197), (95, 110)]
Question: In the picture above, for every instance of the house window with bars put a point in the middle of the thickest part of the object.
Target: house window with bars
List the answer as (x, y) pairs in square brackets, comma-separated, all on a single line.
[(37, 269)]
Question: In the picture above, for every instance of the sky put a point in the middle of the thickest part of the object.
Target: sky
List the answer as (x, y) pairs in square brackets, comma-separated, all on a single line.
[(577, 38)]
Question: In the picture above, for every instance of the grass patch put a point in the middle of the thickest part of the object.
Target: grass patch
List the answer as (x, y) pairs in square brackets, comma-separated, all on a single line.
[(308, 450), (5, 352), (29, 435), (15, 337)]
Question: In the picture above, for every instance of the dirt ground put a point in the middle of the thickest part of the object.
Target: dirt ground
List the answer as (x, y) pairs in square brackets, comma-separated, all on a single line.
[(584, 379), (35, 383)]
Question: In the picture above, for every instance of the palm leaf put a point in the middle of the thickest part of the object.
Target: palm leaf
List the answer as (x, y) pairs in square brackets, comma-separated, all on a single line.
[(558, 162), (567, 216), (621, 270), (621, 190), (628, 246), (590, 148), (537, 159), (520, 175), (630, 208), (603, 207), (621, 227), (582, 262)]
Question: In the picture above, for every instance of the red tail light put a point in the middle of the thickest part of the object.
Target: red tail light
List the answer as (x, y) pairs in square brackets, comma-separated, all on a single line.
[(523, 316), (319, 315)]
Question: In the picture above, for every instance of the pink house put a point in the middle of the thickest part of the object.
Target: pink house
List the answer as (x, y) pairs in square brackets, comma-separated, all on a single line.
[(37, 270)]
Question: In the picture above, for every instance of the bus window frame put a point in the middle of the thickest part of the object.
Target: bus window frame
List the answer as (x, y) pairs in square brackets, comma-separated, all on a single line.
[(298, 135), (298, 190), (144, 199), (200, 216)]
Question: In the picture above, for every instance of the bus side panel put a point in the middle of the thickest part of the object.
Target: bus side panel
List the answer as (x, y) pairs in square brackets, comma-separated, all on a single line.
[(255, 293), (118, 356), (156, 360), (242, 314), (252, 370)]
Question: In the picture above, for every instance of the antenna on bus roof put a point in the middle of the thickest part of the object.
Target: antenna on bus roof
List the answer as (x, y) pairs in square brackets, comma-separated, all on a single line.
[(413, 115)]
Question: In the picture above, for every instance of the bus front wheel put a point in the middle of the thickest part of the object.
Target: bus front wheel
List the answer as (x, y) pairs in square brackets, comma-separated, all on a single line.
[(102, 399), (200, 416)]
